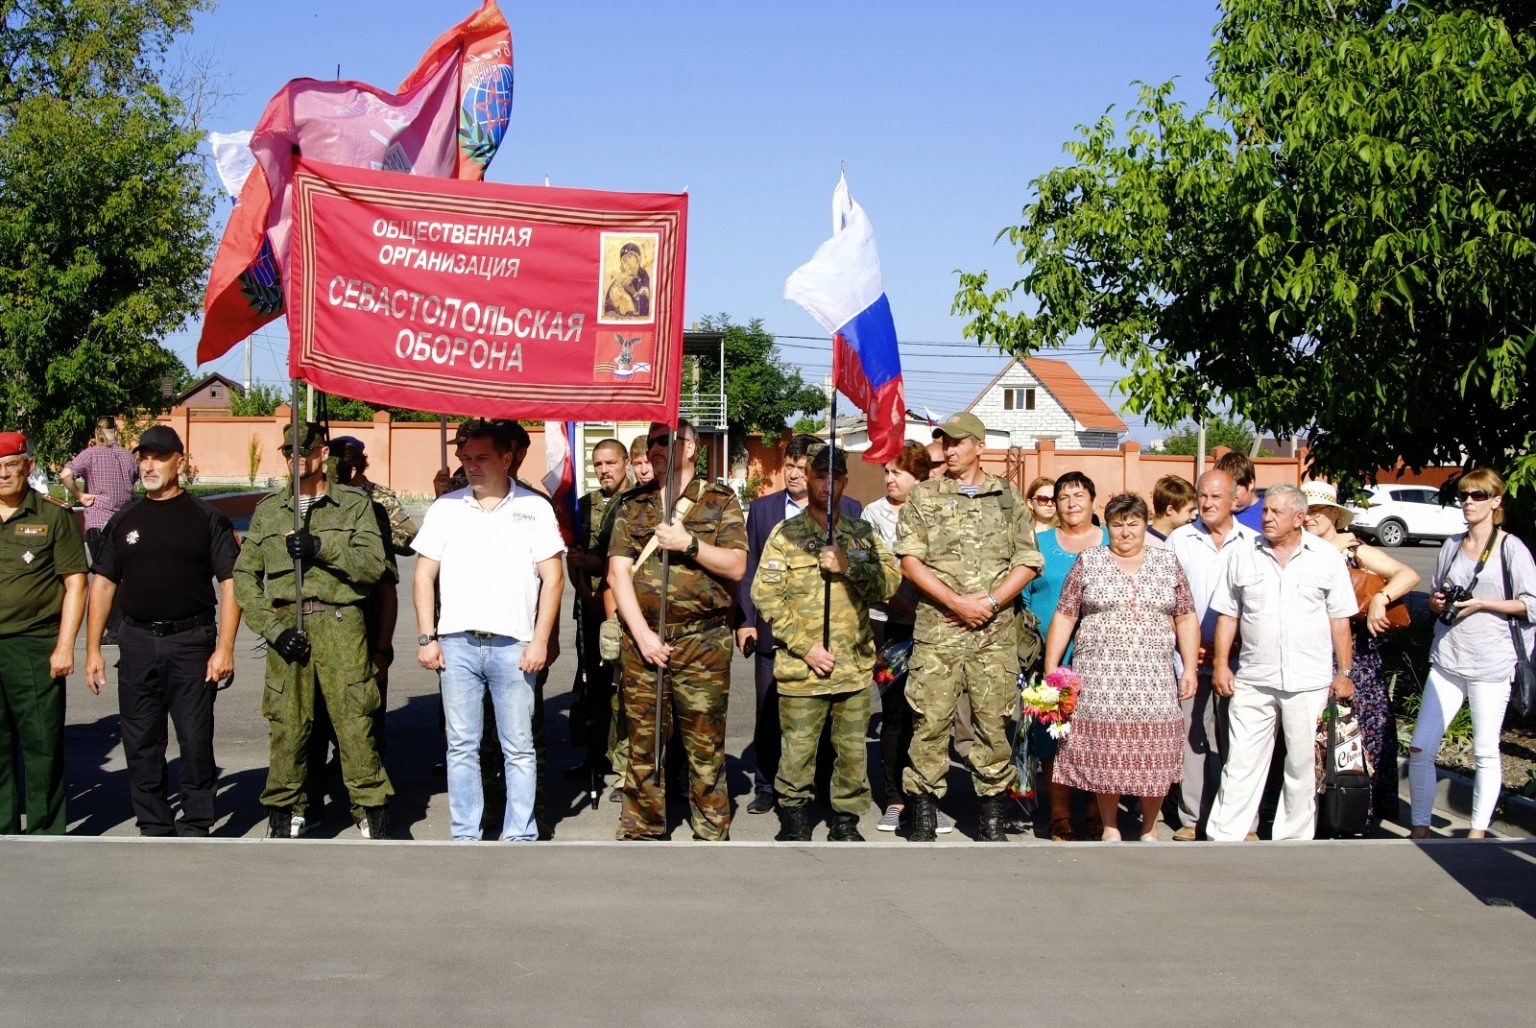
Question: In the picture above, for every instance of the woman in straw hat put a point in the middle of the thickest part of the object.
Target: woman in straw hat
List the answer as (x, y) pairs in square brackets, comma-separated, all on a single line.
[(1327, 519)]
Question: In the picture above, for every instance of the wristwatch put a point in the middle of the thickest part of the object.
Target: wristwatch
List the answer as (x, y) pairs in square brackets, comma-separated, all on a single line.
[(693, 547), (1347, 672), (422, 640)]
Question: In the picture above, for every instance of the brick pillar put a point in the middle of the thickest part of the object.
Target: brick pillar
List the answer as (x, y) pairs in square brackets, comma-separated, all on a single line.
[(379, 469), (1130, 467), (1047, 451)]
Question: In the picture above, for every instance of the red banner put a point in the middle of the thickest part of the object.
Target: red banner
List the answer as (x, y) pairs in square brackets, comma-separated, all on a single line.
[(487, 300)]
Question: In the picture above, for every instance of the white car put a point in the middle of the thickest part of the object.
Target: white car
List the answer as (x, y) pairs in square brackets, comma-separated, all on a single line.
[(1398, 514)]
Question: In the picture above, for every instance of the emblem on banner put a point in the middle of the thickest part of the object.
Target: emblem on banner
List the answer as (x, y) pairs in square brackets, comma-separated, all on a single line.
[(486, 110), (623, 357)]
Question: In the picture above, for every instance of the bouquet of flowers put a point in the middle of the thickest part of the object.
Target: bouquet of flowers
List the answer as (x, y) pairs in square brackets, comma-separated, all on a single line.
[(891, 663), (1052, 701)]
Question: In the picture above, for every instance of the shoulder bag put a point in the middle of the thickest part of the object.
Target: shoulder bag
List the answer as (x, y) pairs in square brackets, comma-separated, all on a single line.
[(1367, 584), (1522, 694)]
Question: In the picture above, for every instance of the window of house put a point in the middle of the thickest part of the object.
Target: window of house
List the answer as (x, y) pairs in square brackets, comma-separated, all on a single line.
[(1018, 399), (214, 392)]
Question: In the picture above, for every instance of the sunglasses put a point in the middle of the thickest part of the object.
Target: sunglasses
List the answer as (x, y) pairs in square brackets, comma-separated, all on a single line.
[(1474, 494), (287, 451), (658, 440), (1037, 498)]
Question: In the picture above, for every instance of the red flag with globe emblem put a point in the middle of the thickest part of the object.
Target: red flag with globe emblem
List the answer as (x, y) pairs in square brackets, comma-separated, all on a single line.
[(446, 120)]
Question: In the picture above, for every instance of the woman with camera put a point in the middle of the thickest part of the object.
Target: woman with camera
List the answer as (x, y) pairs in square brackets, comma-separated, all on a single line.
[(1472, 656)]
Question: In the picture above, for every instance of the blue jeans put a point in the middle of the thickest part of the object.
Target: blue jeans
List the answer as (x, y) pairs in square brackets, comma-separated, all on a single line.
[(473, 665)]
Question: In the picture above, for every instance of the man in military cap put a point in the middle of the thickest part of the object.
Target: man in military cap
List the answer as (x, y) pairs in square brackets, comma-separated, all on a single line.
[(158, 558), (817, 682), (343, 556), (42, 601), (965, 542), (706, 540)]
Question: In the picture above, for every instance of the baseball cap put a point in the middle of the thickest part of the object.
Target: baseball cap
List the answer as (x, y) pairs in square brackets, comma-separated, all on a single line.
[(962, 424), (159, 439), (311, 435), (12, 443)]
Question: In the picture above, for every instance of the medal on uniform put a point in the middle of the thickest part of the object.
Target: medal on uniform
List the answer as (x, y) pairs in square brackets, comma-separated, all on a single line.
[(132, 537), (27, 558)]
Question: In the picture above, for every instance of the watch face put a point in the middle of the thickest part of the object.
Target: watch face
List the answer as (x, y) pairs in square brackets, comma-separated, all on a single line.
[(422, 640)]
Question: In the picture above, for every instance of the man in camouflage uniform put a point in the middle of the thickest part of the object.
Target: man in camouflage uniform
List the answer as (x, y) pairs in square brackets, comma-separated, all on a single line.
[(343, 555), (706, 540), (587, 562), (816, 682), (965, 542)]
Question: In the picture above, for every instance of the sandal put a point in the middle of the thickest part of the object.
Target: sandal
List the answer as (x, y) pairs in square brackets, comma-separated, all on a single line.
[(1094, 826), (1061, 830)]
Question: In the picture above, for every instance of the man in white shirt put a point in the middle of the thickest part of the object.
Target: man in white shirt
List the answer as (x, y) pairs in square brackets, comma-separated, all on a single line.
[(1290, 596), (1199, 546), (495, 549)]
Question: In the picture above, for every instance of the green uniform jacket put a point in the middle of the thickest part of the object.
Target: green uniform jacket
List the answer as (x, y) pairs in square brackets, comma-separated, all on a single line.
[(788, 592), (351, 555), (693, 594), (402, 530), (970, 543), (39, 546)]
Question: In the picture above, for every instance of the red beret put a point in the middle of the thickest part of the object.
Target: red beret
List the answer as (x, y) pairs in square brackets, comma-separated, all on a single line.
[(12, 443)]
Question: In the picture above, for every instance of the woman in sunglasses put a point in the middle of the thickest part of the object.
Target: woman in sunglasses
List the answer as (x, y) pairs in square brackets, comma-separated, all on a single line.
[(1472, 657), (1041, 497)]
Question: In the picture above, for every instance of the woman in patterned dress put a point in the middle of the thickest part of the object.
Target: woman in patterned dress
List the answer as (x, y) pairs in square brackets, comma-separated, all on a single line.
[(1327, 520), (1128, 604)]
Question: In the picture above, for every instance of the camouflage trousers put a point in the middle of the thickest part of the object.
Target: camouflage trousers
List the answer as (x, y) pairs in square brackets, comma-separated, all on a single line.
[(935, 676), (800, 719), (697, 688), (340, 669)]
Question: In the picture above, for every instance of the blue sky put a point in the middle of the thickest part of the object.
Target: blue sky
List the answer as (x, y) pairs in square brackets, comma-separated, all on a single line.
[(942, 115)]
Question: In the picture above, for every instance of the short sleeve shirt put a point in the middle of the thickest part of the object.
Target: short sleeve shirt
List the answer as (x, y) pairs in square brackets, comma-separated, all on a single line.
[(109, 473), (40, 544), (693, 594)]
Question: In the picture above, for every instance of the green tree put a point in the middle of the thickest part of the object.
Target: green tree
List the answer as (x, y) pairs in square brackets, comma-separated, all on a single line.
[(259, 401), (762, 395), (103, 217), (1234, 435), (1338, 244)]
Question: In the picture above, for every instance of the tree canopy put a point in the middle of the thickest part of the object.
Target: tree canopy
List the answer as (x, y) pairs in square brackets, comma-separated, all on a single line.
[(1338, 244), (103, 216), (762, 395), (1234, 435)]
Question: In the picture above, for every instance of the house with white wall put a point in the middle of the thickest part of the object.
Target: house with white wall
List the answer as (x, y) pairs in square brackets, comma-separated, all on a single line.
[(1039, 398)]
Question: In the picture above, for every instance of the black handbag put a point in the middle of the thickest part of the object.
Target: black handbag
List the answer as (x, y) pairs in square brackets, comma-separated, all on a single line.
[(1522, 692), (1345, 804)]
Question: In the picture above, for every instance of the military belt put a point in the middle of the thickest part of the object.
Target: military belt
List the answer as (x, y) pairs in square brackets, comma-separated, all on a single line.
[(675, 632), (164, 628), (312, 606)]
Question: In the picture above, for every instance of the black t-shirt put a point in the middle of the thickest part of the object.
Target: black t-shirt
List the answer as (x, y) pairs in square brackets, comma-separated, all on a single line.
[(164, 556)]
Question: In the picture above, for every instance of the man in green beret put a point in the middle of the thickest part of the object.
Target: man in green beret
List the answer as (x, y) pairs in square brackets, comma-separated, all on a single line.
[(343, 556)]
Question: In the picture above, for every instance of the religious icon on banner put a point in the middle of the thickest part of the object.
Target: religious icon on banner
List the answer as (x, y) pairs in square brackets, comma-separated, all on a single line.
[(628, 267), (623, 357)]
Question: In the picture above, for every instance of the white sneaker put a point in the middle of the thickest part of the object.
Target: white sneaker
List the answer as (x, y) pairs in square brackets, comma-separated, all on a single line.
[(891, 819), (945, 824), (297, 827), (362, 826)]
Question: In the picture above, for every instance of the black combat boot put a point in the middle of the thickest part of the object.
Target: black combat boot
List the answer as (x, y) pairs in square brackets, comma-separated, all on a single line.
[(845, 828), (375, 823), (925, 817), (279, 822), (989, 826), (795, 823)]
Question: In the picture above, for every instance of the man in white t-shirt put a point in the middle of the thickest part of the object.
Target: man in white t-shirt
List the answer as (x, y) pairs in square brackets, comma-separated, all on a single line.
[(495, 550)]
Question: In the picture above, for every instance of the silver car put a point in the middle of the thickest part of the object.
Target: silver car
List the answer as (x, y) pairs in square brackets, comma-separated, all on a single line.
[(1398, 514)]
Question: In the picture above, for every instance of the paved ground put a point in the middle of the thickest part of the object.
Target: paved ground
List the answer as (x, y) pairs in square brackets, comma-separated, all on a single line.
[(151, 932)]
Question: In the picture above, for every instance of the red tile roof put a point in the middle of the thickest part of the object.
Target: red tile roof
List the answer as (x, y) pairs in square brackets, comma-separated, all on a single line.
[(1063, 382)]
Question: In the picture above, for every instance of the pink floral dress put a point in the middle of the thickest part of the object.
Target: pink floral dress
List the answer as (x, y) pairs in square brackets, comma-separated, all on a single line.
[(1127, 735)]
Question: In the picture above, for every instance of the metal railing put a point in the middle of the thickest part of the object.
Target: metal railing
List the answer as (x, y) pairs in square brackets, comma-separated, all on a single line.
[(704, 411)]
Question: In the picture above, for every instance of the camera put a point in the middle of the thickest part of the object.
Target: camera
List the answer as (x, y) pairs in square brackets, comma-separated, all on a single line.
[(1453, 594)]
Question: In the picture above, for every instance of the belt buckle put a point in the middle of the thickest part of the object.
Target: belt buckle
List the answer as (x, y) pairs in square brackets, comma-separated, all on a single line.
[(482, 635)]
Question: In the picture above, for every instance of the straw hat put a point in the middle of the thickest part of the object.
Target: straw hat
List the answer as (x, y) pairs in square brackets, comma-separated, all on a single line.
[(1322, 494)]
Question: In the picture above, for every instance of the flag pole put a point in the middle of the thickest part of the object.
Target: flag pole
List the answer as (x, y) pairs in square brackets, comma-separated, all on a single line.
[(442, 440), (826, 579), (295, 465), (661, 621)]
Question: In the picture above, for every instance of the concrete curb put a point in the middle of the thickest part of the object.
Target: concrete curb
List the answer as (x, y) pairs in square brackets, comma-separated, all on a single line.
[(1513, 817)]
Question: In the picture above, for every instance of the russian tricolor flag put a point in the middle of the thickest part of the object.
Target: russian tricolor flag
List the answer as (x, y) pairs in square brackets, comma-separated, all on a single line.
[(840, 287)]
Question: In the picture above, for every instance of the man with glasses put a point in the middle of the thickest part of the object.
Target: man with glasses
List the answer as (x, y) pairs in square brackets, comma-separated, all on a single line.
[(706, 541), (495, 550), (343, 556), (42, 601)]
